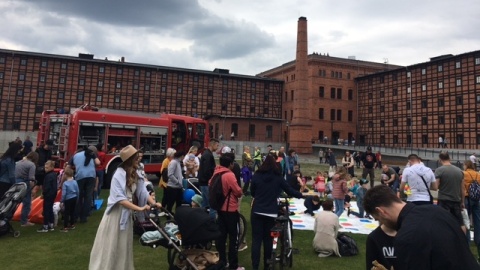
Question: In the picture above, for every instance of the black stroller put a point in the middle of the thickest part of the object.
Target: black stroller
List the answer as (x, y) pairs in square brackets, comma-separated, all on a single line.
[(197, 231), (8, 205)]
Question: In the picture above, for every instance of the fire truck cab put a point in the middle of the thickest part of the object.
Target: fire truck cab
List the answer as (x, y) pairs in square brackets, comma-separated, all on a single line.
[(115, 129)]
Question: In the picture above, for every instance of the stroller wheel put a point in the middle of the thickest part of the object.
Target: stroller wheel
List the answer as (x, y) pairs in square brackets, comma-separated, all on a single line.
[(16, 234)]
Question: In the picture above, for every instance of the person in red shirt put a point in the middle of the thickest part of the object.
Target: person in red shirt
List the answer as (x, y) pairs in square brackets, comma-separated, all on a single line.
[(228, 216), (100, 169)]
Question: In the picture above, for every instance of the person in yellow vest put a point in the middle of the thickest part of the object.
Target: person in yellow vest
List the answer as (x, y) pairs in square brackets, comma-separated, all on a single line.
[(257, 158)]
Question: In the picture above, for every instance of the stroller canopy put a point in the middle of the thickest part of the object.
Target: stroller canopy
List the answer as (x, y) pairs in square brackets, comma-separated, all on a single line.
[(195, 225)]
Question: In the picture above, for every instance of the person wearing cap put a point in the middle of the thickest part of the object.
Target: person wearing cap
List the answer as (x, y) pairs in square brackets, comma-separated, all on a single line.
[(419, 179), (197, 201), (360, 194), (84, 163), (369, 162), (112, 248)]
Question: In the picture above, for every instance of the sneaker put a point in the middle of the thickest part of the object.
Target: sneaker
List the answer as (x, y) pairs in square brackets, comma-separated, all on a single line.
[(51, 229), (368, 216), (43, 229), (242, 247), (240, 268), (71, 227), (28, 224), (64, 230)]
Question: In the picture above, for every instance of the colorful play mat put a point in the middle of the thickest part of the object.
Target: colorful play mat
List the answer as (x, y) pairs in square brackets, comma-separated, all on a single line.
[(351, 224)]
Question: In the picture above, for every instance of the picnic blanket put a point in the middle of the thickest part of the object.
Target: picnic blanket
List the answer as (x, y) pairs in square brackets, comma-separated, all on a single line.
[(351, 224)]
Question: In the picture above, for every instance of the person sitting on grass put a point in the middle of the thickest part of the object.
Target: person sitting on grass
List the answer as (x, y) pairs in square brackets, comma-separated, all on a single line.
[(312, 203), (326, 230)]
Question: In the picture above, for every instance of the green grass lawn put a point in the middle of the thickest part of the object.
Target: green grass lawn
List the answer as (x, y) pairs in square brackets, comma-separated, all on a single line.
[(57, 250)]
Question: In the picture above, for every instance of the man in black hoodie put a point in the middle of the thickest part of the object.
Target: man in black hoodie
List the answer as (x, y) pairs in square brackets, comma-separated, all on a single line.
[(205, 172)]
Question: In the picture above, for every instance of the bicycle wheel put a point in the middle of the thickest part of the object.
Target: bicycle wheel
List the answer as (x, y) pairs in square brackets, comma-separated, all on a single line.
[(282, 259), (289, 243), (242, 229)]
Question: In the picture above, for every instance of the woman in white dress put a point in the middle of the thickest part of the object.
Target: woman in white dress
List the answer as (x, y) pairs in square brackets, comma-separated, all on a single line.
[(112, 248)]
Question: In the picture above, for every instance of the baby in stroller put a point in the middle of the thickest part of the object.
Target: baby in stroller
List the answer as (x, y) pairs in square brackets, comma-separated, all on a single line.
[(190, 248), (8, 205)]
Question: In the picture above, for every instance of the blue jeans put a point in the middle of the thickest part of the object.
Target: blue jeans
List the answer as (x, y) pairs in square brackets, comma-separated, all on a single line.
[(26, 202), (474, 209), (339, 205), (85, 198), (205, 203)]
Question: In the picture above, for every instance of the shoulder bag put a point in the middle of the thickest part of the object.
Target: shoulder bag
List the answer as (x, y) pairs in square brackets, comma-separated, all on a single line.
[(474, 189), (428, 189)]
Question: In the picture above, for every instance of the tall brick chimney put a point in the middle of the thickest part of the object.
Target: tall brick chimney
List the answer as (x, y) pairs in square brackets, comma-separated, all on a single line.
[(300, 128)]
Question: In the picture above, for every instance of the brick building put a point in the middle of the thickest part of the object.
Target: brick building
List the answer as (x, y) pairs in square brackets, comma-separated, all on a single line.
[(415, 105), (320, 95), (31, 82)]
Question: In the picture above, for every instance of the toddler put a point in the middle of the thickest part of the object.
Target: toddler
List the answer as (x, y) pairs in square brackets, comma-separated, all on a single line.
[(319, 185), (70, 193), (191, 166)]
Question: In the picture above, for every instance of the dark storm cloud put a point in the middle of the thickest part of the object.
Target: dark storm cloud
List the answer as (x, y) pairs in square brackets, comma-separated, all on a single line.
[(225, 39), (149, 13), (212, 37)]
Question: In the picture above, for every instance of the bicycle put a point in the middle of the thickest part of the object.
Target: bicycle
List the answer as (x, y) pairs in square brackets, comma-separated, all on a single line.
[(282, 234)]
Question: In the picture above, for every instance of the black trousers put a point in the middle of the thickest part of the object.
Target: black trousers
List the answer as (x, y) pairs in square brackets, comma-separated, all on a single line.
[(69, 212), (48, 217), (173, 196), (228, 224), (261, 226)]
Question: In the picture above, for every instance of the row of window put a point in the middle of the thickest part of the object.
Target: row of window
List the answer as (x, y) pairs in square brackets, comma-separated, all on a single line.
[(424, 120), (459, 139), (63, 80), (458, 64), (423, 104), (335, 93), (335, 115)]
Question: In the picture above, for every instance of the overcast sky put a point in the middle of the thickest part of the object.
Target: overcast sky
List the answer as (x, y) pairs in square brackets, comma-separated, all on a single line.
[(245, 36)]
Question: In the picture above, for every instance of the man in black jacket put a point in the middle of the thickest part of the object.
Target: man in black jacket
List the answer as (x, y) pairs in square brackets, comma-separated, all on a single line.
[(428, 237), (205, 172)]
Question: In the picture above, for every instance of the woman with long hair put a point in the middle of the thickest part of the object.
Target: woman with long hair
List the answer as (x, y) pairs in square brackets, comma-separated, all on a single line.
[(472, 206), (7, 167), (113, 244), (340, 189), (25, 172), (267, 184)]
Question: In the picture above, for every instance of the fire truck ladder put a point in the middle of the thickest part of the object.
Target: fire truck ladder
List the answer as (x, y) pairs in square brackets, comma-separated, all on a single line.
[(44, 126), (63, 137)]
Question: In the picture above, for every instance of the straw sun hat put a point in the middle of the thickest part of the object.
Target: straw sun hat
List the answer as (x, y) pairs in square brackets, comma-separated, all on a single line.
[(127, 152)]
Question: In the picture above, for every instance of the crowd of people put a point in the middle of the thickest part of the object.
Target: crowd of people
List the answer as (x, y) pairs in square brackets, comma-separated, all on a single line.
[(402, 202)]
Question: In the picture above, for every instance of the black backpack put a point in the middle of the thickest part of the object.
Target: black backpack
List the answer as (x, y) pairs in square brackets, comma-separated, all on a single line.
[(216, 198), (346, 245)]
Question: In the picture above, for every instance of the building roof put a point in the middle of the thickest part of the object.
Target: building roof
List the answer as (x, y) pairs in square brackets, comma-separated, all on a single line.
[(90, 58)]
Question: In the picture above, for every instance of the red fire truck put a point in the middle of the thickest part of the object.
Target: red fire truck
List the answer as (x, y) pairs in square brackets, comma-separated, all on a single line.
[(153, 133)]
